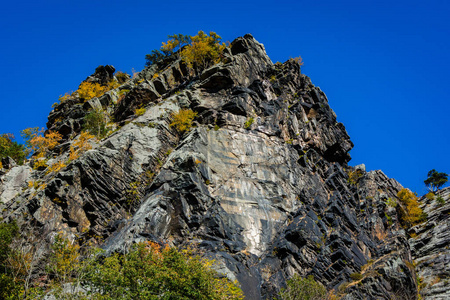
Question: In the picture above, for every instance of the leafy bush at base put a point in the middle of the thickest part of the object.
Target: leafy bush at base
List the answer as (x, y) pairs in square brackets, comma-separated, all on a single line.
[(299, 288), (148, 271), (152, 272)]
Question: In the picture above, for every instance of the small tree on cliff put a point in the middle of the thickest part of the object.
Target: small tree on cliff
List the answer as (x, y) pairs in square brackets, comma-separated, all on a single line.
[(436, 180)]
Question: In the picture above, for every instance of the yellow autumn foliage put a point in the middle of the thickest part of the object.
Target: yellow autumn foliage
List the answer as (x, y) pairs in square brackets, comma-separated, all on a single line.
[(89, 90), (182, 120), (56, 167), (411, 214), (203, 50)]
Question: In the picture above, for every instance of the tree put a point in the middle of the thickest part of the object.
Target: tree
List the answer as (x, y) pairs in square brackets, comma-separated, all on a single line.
[(173, 45), (203, 50), (436, 180), (9, 147), (40, 145), (96, 122)]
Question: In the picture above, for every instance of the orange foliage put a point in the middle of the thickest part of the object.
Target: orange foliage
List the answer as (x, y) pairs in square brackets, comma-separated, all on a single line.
[(42, 144), (81, 145)]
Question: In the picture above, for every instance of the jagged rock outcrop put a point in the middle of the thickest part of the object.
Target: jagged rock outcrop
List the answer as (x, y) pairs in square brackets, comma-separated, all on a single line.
[(430, 247), (261, 183)]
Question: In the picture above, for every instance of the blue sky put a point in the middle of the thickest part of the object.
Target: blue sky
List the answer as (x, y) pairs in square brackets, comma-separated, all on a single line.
[(384, 65)]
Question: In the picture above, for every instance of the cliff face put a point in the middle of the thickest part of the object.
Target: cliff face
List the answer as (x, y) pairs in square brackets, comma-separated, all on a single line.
[(430, 247), (261, 183)]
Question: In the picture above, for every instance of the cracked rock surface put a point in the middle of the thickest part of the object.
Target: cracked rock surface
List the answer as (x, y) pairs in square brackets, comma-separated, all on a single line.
[(260, 183)]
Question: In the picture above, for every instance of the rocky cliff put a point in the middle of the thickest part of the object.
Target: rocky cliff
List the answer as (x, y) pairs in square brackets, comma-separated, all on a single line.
[(260, 183)]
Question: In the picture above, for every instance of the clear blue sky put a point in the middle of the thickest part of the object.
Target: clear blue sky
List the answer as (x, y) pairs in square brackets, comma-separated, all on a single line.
[(384, 65)]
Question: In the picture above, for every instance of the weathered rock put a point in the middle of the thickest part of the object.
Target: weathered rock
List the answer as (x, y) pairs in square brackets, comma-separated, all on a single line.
[(430, 247), (13, 182), (261, 184)]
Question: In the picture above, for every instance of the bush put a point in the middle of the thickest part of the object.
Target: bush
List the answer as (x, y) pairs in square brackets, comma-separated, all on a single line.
[(182, 120), (410, 213), (354, 176), (249, 122), (40, 144), (440, 200), (356, 276), (298, 60), (140, 111), (88, 90), (430, 195), (81, 145), (56, 167), (299, 288), (9, 287), (152, 272), (391, 202), (9, 147), (95, 123), (122, 77)]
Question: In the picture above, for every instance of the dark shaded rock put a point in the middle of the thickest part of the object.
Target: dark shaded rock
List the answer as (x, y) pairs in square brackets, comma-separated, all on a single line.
[(102, 75)]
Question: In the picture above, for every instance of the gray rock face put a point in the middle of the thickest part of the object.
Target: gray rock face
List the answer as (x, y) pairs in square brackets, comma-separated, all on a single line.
[(12, 182), (261, 183), (430, 247)]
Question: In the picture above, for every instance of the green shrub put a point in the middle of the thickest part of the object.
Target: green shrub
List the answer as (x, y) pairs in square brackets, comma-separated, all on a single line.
[(356, 276), (430, 195), (299, 288), (9, 147), (249, 122), (95, 122), (440, 200), (182, 120), (152, 272), (391, 202), (9, 287)]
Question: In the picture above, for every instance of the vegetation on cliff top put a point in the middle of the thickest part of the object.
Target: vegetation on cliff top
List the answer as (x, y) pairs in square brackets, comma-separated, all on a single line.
[(198, 51)]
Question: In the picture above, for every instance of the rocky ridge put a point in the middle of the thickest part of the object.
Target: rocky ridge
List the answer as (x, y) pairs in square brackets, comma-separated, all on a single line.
[(261, 183)]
